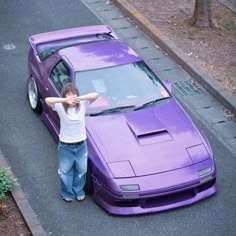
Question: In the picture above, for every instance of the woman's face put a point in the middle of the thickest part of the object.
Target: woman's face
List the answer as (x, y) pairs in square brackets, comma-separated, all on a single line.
[(71, 94)]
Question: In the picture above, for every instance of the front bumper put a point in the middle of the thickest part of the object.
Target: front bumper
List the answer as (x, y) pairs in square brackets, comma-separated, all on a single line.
[(156, 199)]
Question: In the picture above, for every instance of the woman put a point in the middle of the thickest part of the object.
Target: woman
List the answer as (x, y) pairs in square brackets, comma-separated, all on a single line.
[(72, 147)]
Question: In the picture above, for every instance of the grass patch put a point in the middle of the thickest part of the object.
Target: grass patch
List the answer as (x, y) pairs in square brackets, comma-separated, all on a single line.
[(7, 182), (228, 25)]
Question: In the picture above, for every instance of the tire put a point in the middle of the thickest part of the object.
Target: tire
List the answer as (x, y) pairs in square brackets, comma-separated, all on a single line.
[(89, 181), (34, 96)]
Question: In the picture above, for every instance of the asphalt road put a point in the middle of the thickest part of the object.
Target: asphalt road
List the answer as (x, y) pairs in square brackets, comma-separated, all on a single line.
[(31, 151)]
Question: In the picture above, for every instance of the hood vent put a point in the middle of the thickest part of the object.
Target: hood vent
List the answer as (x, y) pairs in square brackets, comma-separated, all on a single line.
[(152, 133), (147, 128), (154, 137)]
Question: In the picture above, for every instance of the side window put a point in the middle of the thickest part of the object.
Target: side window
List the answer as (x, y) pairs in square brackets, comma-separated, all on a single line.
[(60, 75)]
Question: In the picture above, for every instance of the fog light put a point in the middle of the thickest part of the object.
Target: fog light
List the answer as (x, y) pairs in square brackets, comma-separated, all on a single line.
[(204, 171), (131, 196), (205, 180), (131, 187)]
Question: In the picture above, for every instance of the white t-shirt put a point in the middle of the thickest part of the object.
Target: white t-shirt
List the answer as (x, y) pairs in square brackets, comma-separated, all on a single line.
[(72, 123)]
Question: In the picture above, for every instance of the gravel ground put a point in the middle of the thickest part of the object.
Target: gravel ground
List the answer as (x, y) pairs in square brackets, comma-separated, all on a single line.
[(11, 221)]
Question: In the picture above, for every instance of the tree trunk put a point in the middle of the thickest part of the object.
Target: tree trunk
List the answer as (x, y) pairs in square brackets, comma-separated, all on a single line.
[(202, 15)]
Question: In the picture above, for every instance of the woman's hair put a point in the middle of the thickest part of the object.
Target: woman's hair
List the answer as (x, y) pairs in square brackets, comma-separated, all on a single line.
[(69, 88)]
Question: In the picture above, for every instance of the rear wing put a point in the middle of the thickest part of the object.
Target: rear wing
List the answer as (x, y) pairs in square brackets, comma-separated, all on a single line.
[(56, 40)]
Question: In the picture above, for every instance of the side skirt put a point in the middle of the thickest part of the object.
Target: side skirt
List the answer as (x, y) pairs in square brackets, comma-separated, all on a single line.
[(50, 125)]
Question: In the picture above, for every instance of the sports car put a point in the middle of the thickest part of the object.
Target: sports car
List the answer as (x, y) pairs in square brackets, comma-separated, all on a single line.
[(145, 153)]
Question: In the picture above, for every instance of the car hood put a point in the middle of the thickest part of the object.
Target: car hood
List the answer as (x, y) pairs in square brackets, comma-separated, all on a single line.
[(146, 141)]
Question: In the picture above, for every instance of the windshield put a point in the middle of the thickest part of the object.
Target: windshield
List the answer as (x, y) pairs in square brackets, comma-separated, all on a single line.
[(124, 85)]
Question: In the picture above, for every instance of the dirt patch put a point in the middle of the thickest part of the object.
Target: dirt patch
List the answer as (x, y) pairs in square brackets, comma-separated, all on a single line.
[(214, 50), (11, 221)]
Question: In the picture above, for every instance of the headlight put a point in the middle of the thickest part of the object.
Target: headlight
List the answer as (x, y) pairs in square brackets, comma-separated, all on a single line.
[(198, 153), (131, 187), (121, 169), (204, 171)]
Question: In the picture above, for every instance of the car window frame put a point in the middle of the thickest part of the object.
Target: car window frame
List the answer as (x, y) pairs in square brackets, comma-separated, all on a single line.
[(51, 71)]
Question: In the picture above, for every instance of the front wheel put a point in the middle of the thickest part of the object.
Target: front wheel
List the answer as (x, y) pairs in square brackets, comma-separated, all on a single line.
[(34, 96)]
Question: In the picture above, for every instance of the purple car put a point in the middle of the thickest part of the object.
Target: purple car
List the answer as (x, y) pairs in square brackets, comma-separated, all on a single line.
[(145, 153)]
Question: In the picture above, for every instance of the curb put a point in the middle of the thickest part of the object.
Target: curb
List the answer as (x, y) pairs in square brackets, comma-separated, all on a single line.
[(223, 96), (24, 206), (229, 5)]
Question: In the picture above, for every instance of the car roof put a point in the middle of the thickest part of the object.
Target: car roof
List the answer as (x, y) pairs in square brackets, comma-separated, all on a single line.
[(100, 54)]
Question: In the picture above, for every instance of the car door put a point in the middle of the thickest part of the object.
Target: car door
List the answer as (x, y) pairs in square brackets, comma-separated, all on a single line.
[(58, 75)]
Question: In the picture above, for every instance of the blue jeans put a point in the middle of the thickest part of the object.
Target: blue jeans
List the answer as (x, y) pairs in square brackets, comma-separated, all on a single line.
[(72, 160)]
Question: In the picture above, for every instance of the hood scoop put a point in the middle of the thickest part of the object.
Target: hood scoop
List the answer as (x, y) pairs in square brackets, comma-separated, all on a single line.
[(152, 133), (154, 137), (146, 127)]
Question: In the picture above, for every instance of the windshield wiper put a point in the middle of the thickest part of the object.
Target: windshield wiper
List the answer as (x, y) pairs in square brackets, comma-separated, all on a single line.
[(111, 110), (151, 103)]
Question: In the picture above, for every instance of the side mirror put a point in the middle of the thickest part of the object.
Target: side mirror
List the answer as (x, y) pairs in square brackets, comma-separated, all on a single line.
[(167, 83)]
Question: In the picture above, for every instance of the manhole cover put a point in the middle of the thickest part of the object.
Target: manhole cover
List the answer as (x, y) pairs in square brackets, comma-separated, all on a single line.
[(186, 88), (9, 46)]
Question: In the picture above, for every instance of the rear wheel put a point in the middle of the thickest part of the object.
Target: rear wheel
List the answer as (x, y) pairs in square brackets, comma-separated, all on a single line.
[(34, 96)]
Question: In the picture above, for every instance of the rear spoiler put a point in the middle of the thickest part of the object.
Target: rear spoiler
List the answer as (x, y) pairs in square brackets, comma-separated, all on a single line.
[(37, 39)]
